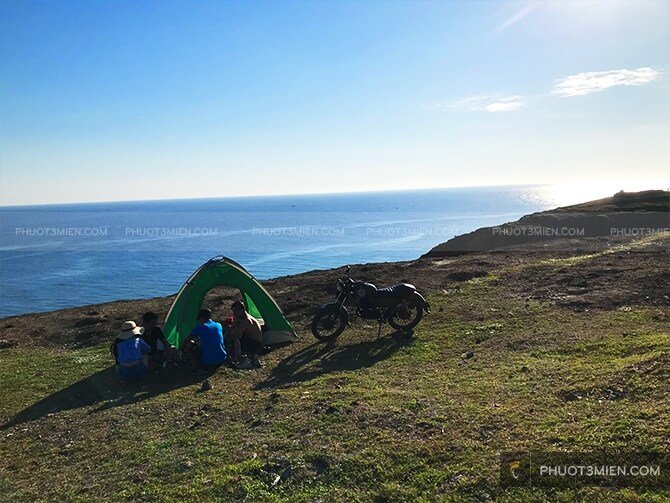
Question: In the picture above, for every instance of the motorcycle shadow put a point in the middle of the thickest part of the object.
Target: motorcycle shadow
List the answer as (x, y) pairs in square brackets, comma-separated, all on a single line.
[(321, 358)]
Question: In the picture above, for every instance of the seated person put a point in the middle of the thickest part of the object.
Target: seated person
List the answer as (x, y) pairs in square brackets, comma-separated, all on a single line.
[(247, 329), (153, 336), (205, 344), (131, 352)]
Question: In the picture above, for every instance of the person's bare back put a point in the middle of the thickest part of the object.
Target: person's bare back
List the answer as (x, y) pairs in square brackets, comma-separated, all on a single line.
[(245, 326)]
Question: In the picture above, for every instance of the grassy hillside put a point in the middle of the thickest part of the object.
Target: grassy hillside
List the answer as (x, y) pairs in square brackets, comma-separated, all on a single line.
[(504, 363)]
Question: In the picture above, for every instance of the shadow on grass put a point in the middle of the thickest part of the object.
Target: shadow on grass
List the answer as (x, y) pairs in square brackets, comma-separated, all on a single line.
[(322, 358), (105, 389)]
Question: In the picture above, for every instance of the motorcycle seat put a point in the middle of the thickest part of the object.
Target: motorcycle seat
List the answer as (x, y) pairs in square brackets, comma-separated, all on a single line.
[(399, 290)]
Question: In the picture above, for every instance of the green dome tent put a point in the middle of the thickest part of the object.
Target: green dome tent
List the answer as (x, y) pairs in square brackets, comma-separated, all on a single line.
[(222, 271)]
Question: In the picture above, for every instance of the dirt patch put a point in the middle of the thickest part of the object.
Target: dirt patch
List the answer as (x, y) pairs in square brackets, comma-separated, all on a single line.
[(78, 327), (88, 321), (650, 375), (635, 382), (466, 275), (607, 281), (605, 393)]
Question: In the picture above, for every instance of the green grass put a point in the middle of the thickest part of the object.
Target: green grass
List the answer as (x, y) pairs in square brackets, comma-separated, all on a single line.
[(360, 420)]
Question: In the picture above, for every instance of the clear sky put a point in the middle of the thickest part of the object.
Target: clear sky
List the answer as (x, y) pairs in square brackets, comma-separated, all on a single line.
[(122, 100)]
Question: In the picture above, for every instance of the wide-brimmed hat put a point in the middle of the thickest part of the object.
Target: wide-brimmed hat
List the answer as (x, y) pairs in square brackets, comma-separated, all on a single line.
[(129, 329)]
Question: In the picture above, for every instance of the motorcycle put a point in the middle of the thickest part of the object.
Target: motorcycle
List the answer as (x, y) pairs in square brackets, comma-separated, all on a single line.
[(401, 305)]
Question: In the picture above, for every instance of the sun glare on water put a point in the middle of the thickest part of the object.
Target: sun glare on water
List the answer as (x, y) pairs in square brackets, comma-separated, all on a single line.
[(567, 194)]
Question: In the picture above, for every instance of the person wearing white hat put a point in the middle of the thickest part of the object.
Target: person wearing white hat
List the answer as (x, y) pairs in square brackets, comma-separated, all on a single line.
[(131, 352)]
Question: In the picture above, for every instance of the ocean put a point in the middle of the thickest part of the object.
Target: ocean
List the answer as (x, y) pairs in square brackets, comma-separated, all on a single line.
[(59, 256)]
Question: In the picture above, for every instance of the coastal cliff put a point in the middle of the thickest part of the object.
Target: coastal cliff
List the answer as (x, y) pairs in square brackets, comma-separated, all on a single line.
[(583, 226)]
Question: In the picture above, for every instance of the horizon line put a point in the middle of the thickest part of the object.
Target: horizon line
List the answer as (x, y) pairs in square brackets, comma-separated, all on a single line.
[(362, 191)]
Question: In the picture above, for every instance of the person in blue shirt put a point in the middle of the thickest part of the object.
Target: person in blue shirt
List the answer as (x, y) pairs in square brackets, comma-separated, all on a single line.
[(131, 352), (205, 344)]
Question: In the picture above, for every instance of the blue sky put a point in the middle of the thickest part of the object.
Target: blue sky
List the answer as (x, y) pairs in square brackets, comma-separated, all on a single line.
[(149, 100)]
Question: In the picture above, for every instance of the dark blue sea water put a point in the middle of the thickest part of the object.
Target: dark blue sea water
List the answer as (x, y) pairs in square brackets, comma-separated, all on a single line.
[(70, 255)]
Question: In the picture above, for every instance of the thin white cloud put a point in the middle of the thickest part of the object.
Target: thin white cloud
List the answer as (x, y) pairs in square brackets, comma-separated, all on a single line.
[(592, 82), (505, 104), (515, 18), (484, 104)]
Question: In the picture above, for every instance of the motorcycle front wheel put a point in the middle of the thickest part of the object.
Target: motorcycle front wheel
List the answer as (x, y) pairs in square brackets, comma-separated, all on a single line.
[(329, 322), (405, 315)]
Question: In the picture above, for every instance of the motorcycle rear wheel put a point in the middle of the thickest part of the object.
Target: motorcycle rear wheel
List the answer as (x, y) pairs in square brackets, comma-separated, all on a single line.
[(406, 315)]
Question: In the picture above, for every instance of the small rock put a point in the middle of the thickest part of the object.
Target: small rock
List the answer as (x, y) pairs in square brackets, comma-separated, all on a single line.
[(331, 409), (206, 385), (469, 354)]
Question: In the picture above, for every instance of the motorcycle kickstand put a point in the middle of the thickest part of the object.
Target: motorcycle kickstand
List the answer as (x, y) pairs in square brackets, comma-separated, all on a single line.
[(379, 331)]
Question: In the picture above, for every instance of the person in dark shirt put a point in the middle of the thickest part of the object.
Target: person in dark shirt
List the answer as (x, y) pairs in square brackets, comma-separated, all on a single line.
[(153, 336)]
